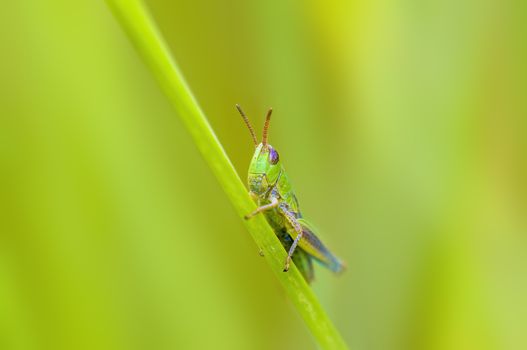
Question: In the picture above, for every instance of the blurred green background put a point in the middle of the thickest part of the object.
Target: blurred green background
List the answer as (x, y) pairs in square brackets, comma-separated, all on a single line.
[(402, 124)]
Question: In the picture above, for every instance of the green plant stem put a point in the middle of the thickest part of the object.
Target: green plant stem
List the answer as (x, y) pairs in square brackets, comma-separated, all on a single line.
[(141, 29)]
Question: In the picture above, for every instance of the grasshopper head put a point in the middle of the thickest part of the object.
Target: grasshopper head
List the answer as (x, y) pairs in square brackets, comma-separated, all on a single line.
[(265, 166), (264, 169)]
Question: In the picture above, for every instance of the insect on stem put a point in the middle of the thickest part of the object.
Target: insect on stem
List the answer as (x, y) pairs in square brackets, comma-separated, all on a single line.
[(249, 126), (266, 126), (270, 189)]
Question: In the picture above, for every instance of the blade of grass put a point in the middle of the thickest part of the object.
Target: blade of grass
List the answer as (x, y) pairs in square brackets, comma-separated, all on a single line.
[(142, 31)]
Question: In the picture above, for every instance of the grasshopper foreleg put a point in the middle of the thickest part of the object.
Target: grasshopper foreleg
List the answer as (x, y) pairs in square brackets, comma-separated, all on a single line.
[(273, 204), (298, 228)]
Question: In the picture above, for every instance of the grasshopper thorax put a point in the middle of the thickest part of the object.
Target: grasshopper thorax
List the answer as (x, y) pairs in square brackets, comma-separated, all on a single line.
[(264, 170)]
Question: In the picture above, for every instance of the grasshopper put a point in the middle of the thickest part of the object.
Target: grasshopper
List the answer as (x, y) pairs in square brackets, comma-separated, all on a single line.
[(270, 188)]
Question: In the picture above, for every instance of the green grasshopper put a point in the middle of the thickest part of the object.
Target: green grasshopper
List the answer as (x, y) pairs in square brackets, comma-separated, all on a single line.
[(270, 188)]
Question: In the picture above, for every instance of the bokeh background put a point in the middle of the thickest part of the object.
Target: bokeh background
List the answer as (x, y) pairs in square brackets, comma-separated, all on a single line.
[(402, 124)]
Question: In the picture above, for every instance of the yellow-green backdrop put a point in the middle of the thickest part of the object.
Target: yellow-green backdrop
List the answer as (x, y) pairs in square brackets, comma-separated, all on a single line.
[(402, 124)]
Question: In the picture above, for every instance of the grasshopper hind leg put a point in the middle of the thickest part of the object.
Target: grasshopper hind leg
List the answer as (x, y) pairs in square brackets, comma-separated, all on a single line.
[(302, 260), (296, 233)]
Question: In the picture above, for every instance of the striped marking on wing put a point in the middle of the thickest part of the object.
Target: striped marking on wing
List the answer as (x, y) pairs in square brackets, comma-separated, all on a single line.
[(312, 245)]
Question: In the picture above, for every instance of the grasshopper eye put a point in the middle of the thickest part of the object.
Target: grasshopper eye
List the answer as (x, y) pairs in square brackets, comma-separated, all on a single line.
[(273, 156)]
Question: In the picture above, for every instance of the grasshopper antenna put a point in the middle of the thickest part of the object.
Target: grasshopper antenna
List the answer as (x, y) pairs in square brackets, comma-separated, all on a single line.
[(266, 126), (249, 126)]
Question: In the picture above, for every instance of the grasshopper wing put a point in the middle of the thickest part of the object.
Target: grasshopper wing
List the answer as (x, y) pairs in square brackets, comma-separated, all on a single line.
[(313, 246)]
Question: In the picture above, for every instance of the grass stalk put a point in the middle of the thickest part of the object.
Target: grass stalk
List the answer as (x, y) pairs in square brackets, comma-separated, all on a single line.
[(142, 31)]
